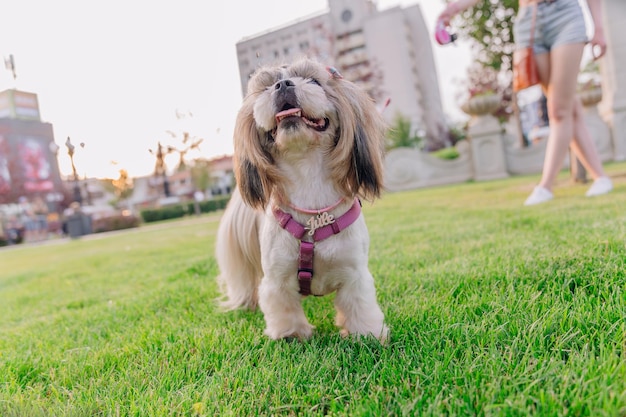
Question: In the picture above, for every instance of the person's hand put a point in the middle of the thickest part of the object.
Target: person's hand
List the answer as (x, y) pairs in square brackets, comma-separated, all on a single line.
[(598, 44), (448, 13)]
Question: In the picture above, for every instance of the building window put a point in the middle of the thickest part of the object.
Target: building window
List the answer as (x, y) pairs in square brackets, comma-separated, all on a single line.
[(346, 15), (348, 34), (355, 49)]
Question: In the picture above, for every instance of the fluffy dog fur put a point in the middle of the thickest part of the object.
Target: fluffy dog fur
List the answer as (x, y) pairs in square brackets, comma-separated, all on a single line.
[(332, 149)]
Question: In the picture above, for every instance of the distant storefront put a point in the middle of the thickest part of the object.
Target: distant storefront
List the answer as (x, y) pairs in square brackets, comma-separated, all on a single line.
[(28, 160)]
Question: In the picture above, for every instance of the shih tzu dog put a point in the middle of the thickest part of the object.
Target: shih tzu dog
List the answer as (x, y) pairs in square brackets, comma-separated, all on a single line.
[(308, 146)]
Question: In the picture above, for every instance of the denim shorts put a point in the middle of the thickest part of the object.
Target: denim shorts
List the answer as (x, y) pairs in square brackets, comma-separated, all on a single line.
[(558, 22)]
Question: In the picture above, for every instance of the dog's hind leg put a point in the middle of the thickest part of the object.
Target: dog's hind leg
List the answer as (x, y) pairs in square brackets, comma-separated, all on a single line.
[(238, 255), (237, 282)]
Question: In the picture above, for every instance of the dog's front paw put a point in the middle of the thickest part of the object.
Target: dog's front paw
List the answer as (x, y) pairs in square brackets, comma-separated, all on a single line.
[(372, 324), (381, 333), (303, 331), (283, 314)]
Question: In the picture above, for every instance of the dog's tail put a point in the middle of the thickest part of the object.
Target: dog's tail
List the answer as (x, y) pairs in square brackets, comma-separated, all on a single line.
[(239, 255)]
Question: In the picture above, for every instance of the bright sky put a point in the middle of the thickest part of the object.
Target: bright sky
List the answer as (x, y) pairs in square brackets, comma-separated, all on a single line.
[(113, 74)]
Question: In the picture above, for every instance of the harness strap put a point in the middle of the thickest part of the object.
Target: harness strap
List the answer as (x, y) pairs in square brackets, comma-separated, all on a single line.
[(305, 267), (340, 223), (289, 224), (305, 259)]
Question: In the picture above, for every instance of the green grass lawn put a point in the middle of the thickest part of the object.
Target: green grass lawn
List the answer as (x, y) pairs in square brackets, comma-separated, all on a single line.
[(494, 309)]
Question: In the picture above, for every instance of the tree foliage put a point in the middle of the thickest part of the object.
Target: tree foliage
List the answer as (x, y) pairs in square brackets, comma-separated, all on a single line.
[(490, 25), (123, 185), (201, 174)]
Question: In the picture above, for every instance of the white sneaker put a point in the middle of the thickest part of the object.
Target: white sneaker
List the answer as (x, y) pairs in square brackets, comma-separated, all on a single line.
[(600, 186), (538, 196)]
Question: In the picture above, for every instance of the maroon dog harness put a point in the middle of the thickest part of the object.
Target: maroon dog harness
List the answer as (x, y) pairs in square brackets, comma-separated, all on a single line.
[(320, 227)]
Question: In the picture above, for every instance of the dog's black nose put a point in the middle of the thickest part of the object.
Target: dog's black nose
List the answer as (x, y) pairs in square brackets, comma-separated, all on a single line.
[(283, 85)]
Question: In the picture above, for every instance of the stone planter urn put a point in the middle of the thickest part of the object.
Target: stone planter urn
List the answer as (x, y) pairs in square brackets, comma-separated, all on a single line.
[(600, 131), (591, 96), (485, 137), (481, 105)]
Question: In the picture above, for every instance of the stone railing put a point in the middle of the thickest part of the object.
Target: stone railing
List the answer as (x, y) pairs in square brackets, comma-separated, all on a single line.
[(491, 151)]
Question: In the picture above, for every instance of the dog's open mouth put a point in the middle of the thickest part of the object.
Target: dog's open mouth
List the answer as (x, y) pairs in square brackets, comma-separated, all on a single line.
[(318, 124)]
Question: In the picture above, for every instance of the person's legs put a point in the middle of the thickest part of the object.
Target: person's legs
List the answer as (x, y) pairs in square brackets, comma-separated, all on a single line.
[(541, 194), (564, 63), (583, 145), (558, 71), (585, 150)]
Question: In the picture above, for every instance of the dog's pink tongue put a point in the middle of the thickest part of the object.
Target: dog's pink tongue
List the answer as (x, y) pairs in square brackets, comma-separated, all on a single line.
[(285, 113)]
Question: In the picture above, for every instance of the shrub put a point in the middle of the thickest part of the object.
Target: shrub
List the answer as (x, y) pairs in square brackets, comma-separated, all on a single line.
[(447, 153), (180, 210), (164, 213), (114, 222), (212, 205), (402, 134)]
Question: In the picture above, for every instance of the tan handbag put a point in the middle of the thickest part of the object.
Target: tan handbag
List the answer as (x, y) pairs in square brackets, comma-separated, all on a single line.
[(525, 72)]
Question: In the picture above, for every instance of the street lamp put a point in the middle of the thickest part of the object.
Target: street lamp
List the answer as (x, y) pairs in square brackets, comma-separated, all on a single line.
[(70, 151)]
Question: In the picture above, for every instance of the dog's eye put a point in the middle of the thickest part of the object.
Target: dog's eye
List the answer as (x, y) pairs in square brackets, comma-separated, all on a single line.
[(314, 81)]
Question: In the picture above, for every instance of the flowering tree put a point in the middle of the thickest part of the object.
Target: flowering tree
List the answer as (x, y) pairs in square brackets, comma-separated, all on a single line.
[(490, 25)]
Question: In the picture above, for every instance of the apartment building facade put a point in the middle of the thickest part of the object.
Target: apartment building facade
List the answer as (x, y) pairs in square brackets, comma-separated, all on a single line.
[(388, 52)]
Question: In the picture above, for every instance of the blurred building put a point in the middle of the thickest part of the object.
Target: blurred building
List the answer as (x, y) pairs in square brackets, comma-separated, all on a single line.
[(222, 175), (149, 190), (388, 52), (28, 153)]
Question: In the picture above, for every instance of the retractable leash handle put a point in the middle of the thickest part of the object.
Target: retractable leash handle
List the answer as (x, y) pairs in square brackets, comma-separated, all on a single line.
[(442, 36)]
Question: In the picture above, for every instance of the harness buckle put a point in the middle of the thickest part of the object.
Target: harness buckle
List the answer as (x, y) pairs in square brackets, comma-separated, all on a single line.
[(305, 276)]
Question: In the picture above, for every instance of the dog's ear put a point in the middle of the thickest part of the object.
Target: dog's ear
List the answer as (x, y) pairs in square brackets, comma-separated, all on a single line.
[(252, 162), (249, 183), (358, 156), (248, 156)]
